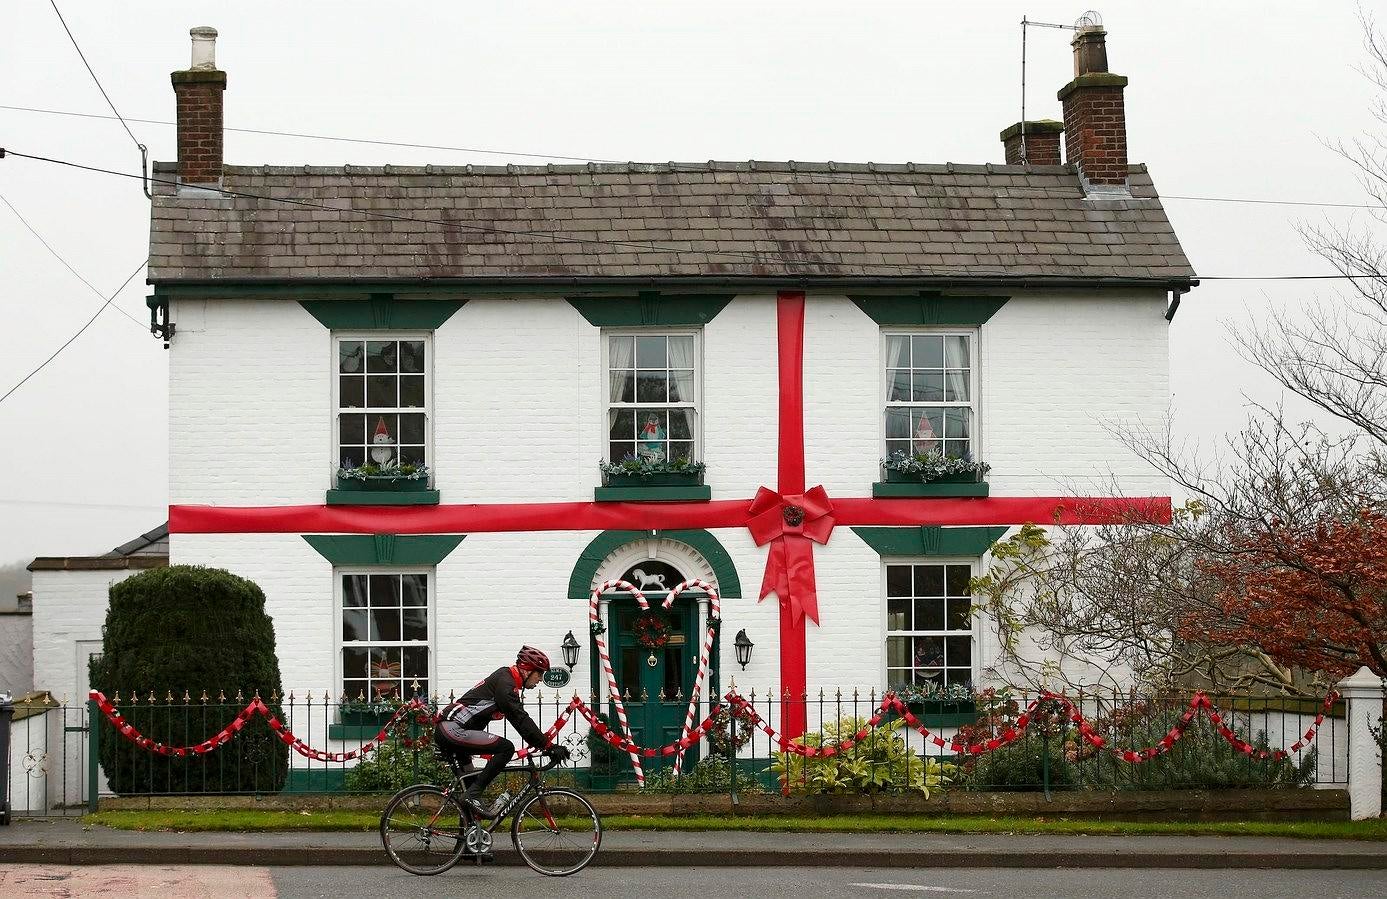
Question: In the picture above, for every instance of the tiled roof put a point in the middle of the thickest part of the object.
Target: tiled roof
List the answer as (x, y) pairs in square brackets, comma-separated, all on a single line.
[(604, 221), (149, 550)]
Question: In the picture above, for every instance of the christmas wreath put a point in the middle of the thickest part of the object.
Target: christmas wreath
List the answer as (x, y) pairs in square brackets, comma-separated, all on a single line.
[(731, 729), (651, 630)]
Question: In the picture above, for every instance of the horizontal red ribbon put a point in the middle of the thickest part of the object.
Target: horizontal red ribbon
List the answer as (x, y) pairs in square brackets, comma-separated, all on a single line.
[(583, 516)]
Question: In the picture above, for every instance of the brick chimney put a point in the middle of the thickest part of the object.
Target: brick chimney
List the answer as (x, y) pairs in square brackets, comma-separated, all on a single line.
[(199, 92), (1095, 125), (1033, 143)]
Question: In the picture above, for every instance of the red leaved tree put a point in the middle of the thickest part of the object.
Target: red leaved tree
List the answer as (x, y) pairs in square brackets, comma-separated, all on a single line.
[(1309, 597)]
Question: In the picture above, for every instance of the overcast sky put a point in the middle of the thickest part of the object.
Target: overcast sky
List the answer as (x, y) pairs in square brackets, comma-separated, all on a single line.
[(1228, 99)]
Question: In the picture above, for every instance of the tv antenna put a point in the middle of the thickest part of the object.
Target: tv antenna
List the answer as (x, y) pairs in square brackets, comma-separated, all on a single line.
[(1090, 19)]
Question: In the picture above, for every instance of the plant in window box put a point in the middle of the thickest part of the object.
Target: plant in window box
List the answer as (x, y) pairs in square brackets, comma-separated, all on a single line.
[(949, 706), (932, 467), (648, 471), (376, 712), (382, 477)]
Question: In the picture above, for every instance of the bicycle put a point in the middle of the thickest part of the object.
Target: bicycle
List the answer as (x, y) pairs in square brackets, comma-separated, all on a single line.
[(427, 829)]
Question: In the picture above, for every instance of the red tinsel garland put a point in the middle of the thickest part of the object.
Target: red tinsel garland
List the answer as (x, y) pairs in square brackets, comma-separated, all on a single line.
[(742, 709)]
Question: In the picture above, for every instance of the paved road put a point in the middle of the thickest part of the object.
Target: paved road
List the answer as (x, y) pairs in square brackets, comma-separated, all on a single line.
[(216, 882)]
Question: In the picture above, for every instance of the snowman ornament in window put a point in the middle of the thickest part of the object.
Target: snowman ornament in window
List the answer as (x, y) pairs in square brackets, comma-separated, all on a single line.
[(382, 445), (652, 440)]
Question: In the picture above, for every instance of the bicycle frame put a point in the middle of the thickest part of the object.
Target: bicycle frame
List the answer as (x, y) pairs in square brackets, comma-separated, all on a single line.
[(533, 786)]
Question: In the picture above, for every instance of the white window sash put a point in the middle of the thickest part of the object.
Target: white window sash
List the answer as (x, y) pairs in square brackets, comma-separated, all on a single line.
[(972, 404), (337, 410), (972, 633), (696, 404), (337, 608)]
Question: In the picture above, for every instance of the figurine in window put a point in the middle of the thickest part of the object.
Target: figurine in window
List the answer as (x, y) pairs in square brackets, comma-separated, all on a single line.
[(382, 445), (926, 441), (651, 447)]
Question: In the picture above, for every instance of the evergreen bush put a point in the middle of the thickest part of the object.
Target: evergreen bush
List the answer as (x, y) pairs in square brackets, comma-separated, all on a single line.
[(178, 631), (394, 766)]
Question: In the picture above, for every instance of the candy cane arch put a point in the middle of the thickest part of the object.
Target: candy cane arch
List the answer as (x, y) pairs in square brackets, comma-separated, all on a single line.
[(598, 633), (714, 618)]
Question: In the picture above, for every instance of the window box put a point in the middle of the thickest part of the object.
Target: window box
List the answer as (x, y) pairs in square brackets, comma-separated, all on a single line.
[(691, 493), (656, 487), (940, 488), (364, 718), (944, 712), (901, 477), (668, 479), (383, 485), (415, 495)]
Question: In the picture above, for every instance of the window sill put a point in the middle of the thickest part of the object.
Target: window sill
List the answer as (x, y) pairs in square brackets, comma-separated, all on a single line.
[(689, 493), (382, 498), (882, 490)]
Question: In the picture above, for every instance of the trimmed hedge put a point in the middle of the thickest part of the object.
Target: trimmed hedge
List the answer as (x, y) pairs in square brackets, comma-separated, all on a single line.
[(186, 629)]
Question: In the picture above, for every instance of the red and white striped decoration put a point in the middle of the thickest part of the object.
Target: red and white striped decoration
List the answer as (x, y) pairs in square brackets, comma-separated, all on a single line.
[(605, 655), (704, 658), (415, 707), (692, 734)]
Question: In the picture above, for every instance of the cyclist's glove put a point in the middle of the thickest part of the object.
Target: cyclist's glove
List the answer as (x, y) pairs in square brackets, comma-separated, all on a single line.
[(559, 753)]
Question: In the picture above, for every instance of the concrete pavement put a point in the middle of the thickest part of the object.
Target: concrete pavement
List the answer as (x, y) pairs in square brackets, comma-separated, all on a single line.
[(68, 842)]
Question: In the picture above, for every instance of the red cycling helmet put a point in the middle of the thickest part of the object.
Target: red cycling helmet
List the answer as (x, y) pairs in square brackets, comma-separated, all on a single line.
[(532, 658)]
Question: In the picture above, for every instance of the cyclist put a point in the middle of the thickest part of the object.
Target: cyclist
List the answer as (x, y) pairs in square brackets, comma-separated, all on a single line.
[(461, 731)]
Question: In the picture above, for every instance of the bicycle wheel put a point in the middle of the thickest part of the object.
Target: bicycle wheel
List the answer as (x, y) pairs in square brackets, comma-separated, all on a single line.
[(422, 830), (557, 832)]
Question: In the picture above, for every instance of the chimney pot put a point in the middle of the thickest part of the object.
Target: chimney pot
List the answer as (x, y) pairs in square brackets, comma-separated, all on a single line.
[(1095, 118), (1090, 50), (204, 48)]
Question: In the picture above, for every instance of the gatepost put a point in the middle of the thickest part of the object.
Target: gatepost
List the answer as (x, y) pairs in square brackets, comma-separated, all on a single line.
[(1363, 692)]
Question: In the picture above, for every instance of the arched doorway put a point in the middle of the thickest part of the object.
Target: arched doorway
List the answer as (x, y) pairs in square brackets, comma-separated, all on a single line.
[(655, 653)]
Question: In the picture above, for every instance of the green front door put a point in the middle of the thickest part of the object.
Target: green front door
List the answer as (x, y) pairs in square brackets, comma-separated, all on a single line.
[(655, 680)]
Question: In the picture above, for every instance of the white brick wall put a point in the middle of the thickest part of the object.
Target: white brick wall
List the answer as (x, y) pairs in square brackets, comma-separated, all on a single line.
[(518, 417), (16, 653), (68, 606)]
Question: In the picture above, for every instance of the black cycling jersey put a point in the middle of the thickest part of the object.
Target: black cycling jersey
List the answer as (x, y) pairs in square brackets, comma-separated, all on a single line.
[(495, 698)]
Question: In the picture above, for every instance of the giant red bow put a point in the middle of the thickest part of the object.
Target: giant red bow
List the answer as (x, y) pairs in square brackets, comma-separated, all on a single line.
[(788, 523)]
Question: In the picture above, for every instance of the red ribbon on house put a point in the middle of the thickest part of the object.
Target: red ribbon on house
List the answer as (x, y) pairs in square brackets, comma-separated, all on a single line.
[(790, 518)]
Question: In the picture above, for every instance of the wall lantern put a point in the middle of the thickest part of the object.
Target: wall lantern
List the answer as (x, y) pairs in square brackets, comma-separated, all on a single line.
[(743, 644), (570, 650)]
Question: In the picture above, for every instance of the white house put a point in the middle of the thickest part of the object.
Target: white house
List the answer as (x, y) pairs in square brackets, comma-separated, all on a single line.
[(786, 324)]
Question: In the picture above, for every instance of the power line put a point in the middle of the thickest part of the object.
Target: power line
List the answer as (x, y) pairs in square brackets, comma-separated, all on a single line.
[(79, 333), (328, 137), (562, 238), (144, 151), (871, 178), (58, 256)]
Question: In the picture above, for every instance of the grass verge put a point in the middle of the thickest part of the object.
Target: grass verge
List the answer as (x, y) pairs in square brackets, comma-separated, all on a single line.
[(355, 821)]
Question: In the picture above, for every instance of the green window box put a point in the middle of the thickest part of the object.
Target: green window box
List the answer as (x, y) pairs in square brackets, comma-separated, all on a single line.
[(901, 477), (382, 485), (941, 713), (416, 496), (888, 489), (667, 494), (665, 479), (661, 487)]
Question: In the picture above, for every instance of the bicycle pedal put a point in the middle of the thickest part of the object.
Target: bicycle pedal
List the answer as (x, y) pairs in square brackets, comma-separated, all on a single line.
[(486, 858)]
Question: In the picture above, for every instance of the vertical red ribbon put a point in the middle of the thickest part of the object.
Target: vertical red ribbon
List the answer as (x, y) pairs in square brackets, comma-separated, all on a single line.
[(789, 310)]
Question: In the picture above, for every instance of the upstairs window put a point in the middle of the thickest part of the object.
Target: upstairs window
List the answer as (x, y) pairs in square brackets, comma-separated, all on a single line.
[(652, 397), (930, 390), (383, 393)]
